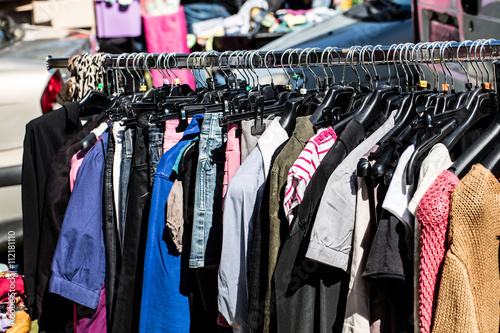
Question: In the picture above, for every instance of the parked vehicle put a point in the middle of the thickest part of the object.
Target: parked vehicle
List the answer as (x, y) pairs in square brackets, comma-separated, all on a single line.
[(28, 90)]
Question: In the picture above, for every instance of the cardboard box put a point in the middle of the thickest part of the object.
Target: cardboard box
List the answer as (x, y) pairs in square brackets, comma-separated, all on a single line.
[(65, 13)]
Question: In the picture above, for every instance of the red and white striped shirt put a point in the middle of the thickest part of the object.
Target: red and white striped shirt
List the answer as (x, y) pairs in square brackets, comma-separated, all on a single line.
[(304, 167)]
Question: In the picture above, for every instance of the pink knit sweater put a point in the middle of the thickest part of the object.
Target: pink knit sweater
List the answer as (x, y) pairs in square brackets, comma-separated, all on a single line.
[(432, 216)]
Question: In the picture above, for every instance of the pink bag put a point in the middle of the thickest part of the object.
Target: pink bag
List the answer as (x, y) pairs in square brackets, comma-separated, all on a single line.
[(167, 33)]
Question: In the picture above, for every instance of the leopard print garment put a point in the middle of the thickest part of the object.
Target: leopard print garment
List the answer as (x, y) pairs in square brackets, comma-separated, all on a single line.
[(87, 73)]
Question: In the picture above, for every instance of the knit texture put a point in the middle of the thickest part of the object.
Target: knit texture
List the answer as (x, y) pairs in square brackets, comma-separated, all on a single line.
[(432, 216), (469, 293)]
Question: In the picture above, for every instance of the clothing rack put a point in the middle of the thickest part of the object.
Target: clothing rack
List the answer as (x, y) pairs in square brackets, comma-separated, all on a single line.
[(409, 53)]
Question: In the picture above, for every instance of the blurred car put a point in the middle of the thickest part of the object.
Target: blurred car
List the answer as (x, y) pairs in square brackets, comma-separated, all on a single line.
[(27, 91)]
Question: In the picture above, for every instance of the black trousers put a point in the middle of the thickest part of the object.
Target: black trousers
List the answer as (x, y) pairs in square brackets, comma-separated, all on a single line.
[(113, 253), (127, 305)]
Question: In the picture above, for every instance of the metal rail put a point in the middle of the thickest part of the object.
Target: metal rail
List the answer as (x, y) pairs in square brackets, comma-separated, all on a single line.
[(409, 53)]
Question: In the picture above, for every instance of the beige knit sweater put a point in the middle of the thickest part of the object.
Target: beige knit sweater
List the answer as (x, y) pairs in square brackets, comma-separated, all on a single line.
[(469, 293)]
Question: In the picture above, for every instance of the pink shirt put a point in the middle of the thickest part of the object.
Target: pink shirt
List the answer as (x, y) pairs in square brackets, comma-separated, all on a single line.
[(304, 167), (432, 215), (76, 162), (233, 156)]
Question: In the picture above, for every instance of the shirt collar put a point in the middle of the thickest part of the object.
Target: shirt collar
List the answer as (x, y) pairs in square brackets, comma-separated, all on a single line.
[(194, 125), (304, 129), (270, 140)]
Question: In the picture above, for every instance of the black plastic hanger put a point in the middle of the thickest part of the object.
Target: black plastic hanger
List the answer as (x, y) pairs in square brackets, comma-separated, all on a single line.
[(479, 149), (436, 135), (492, 161), (484, 104)]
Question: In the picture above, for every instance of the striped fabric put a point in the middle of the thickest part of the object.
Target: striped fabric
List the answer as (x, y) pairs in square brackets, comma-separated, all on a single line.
[(304, 167)]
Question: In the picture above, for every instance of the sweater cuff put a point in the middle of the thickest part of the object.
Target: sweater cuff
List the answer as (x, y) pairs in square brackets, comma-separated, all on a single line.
[(327, 256), (74, 292)]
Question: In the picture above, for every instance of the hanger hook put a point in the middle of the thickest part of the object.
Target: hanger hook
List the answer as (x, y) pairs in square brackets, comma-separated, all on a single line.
[(209, 74), (420, 59), (219, 62), (372, 59), (356, 50), (158, 66), (398, 58), (363, 66), (430, 49), (467, 57), (239, 60), (330, 64), (166, 66), (137, 68), (267, 67), (394, 63), (194, 54), (283, 65), (290, 64), (441, 60), (246, 67), (174, 57), (473, 62), (478, 44), (231, 54), (252, 66), (322, 63), (447, 46), (120, 73), (147, 66), (301, 68), (130, 73), (409, 73), (482, 57), (389, 75), (236, 54), (345, 64), (308, 65), (168, 69)]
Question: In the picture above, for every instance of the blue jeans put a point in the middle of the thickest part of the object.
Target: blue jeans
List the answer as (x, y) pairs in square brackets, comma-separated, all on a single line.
[(197, 12), (126, 165), (155, 148), (206, 241)]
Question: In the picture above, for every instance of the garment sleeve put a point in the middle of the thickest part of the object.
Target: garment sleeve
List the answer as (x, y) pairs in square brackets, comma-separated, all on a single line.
[(79, 264), (30, 208)]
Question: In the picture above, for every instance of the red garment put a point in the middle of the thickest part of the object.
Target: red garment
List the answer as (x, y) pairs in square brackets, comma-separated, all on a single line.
[(432, 216), (7, 279)]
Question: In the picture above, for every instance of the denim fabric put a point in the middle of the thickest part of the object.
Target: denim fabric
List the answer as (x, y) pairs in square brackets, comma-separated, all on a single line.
[(207, 220), (128, 299), (197, 12), (155, 148), (118, 137), (163, 306), (79, 264), (126, 165)]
